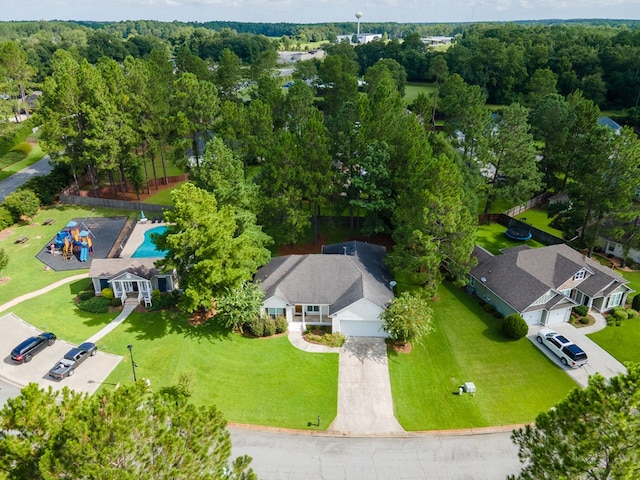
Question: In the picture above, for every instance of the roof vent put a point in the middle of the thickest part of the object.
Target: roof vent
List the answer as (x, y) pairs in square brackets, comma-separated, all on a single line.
[(392, 284), (483, 280)]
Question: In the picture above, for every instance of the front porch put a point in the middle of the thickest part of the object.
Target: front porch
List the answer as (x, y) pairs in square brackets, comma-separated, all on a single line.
[(132, 286)]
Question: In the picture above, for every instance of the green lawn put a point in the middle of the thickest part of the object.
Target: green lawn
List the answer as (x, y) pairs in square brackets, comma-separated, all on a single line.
[(16, 161), (493, 238), (514, 380), (56, 312), (538, 218), (255, 381), (25, 271), (412, 89), (163, 197), (622, 342), (634, 280)]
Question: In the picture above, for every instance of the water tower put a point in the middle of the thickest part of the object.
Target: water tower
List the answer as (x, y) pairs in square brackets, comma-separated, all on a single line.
[(358, 16)]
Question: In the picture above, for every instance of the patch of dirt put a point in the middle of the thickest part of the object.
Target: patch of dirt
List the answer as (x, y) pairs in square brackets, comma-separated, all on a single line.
[(201, 317), (132, 196), (399, 347), (6, 233), (4, 280)]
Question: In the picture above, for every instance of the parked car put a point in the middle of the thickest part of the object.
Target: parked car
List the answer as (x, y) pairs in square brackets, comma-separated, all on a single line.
[(66, 367), (569, 353), (24, 352)]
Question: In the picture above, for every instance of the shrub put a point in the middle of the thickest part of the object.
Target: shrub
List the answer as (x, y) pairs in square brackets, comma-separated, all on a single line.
[(269, 327), (46, 187), (116, 302), (22, 203), (515, 327), (635, 303), (610, 322), (618, 322), (489, 308), (6, 219), (631, 313), (581, 310), (620, 314), (256, 326), (327, 339), (95, 305), (107, 293), (23, 147), (584, 320), (85, 295), (281, 324), (162, 301)]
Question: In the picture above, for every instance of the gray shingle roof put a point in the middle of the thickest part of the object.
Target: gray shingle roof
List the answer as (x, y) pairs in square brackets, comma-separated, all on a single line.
[(112, 267), (521, 274), (332, 278)]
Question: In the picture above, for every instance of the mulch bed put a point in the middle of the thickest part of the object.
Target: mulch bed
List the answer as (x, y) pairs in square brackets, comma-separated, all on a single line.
[(309, 248)]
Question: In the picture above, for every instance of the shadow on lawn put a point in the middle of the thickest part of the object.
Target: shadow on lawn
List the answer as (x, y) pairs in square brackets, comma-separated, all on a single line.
[(471, 302), (154, 325)]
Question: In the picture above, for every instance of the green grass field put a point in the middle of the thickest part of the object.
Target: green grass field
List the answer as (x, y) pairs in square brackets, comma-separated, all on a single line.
[(412, 89), (264, 381), (622, 342), (493, 238), (514, 380), (538, 218), (15, 161)]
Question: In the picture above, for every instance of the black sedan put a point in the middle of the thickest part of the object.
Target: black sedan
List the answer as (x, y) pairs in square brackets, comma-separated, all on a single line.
[(24, 352), (76, 356)]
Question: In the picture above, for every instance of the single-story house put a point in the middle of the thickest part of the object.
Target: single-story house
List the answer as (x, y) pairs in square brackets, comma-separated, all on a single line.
[(544, 284), (346, 287), (131, 278)]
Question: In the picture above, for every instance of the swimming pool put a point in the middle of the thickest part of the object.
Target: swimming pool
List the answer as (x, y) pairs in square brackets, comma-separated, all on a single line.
[(147, 249)]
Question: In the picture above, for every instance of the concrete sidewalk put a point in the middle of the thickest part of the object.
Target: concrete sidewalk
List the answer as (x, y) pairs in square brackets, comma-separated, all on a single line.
[(42, 291)]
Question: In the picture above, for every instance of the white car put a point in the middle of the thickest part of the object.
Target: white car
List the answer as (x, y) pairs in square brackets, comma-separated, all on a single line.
[(569, 353)]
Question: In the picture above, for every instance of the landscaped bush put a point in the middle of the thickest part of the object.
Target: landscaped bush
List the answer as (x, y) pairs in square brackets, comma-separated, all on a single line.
[(635, 303), (584, 320), (514, 326), (23, 147), (581, 310), (326, 339), (281, 324), (162, 301), (620, 314), (116, 302), (22, 203), (269, 327), (631, 313), (256, 326), (13, 136), (6, 219), (86, 295), (95, 305), (47, 187), (107, 293), (489, 308)]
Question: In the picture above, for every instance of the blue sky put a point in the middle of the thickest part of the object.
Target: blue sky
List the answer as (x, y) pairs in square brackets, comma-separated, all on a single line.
[(317, 11)]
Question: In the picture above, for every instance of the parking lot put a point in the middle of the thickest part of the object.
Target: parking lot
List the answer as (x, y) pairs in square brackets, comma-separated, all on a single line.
[(88, 377), (599, 360)]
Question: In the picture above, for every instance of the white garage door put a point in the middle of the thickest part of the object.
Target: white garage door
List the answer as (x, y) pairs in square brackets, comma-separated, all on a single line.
[(362, 328), (557, 316)]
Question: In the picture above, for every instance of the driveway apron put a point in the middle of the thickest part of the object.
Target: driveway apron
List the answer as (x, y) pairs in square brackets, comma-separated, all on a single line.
[(365, 405)]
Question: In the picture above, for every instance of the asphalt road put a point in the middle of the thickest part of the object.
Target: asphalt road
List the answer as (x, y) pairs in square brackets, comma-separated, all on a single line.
[(454, 457), (11, 184)]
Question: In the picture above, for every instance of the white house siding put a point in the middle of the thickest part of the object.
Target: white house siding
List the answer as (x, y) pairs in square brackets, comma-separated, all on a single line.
[(361, 318), (276, 302)]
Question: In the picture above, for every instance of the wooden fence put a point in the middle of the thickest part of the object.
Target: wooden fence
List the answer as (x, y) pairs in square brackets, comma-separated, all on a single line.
[(108, 203)]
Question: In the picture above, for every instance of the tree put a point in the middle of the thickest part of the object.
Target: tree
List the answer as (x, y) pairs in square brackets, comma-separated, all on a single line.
[(592, 434), (4, 260), (439, 70), (228, 75), (207, 247), (408, 318), (128, 432), (238, 306), (15, 74), (513, 155), (22, 203), (339, 75)]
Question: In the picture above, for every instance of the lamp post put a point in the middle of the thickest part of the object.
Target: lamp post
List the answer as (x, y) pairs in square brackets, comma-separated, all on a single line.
[(133, 364)]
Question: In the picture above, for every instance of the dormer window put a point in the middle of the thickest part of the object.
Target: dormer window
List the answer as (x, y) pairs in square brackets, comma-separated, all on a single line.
[(580, 275)]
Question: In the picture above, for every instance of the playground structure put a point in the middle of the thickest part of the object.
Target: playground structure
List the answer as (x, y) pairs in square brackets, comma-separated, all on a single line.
[(71, 240)]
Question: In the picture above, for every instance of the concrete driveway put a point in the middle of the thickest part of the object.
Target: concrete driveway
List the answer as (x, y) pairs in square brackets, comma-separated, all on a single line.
[(87, 378), (599, 360), (11, 184)]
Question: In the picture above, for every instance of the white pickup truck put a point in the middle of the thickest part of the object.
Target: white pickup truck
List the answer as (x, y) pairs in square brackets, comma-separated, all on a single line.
[(569, 353)]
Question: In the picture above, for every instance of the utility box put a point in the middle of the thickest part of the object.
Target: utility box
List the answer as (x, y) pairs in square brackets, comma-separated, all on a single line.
[(469, 387)]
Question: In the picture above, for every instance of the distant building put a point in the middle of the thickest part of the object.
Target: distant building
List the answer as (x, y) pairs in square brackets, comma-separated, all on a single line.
[(362, 38), (437, 40), (298, 56)]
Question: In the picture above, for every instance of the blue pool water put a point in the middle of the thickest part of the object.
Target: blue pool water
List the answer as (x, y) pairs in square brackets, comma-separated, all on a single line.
[(147, 249)]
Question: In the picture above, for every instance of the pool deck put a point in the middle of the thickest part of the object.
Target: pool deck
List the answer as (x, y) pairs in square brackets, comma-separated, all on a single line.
[(136, 238)]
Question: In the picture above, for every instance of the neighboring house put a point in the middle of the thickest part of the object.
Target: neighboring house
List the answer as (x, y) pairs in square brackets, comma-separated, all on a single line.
[(299, 56), (345, 287), (362, 38), (131, 278), (544, 284)]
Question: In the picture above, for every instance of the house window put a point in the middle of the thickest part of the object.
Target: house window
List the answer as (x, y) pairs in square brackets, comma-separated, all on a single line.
[(566, 293), (275, 312), (611, 247), (313, 308), (545, 298), (614, 300), (580, 275), (472, 281)]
